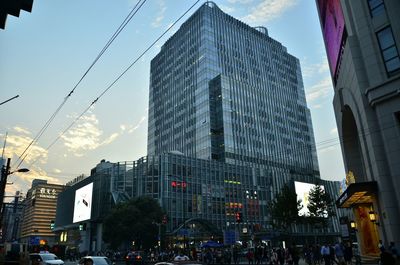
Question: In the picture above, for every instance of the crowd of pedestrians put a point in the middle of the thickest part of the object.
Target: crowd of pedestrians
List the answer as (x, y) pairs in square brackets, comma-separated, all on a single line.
[(325, 254)]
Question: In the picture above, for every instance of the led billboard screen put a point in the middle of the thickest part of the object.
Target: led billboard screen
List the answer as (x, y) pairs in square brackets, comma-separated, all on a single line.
[(303, 192), (332, 21), (83, 203)]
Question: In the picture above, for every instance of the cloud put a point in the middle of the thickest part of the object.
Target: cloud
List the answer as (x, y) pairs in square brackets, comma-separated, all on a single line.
[(161, 14), (315, 69), (227, 9), (320, 90), (240, 1), (131, 128), (138, 124), (22, 130), (17, 141), (267, 10), (86, 136), (21, 181)]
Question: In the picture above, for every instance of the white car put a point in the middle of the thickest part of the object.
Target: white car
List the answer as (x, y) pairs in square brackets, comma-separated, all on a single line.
[(97, 260), (44, 259)]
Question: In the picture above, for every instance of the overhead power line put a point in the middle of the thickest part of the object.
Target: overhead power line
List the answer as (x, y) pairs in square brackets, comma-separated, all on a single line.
[(117, 79), (128, 18)]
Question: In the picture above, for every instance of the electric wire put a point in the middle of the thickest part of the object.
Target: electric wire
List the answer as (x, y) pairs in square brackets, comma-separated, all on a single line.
[(128, 18), (319, 146), (119, 77)]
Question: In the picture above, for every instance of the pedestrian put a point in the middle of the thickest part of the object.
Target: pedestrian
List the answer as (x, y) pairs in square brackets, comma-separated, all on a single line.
[(295, 254), (288, 257), (250, 256), (258, 255), (235, 255), (227, 256), (393, 250), (274, 257), (326, 254), (317, 254), (339, 253), (348, 253), (209, 257), (281, 256), (381, 246)]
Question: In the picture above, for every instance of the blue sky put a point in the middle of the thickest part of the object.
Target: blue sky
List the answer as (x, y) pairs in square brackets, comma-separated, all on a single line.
[(44, 53)]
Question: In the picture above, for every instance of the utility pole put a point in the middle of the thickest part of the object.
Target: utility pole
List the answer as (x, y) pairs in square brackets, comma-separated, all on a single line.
[(5, 171)]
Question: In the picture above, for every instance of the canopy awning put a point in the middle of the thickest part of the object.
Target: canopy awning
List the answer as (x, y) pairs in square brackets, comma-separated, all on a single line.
[(357, 193)]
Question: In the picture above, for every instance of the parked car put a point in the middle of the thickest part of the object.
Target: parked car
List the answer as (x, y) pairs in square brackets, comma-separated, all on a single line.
[(186, 262), (97, 260), (44, 259)]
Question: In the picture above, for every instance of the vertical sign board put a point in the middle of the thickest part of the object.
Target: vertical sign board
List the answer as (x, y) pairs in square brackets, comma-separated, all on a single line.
[(333, 29)]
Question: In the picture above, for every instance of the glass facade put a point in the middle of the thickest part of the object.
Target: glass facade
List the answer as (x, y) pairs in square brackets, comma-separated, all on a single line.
[(189, 188), (230, 100), (222, 90)]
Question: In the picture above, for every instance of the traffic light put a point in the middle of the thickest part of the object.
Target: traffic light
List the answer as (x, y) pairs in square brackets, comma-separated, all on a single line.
[(238, 217), (52, 224)]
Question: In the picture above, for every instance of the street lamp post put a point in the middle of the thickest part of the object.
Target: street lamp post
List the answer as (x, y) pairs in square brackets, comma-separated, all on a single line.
[(5, 172)]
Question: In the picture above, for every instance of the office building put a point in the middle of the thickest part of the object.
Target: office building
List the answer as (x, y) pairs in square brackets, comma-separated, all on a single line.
[(228, 127), (362, 40), (222, 90), (39, 212)]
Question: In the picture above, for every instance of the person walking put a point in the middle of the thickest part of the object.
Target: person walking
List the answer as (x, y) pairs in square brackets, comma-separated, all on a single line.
[(250, 256), (326, 254), (339, 253), (348, 253), (235, 256)]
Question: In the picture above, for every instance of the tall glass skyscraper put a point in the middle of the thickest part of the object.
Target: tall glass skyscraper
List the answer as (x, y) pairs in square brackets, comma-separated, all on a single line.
[(222, 90)]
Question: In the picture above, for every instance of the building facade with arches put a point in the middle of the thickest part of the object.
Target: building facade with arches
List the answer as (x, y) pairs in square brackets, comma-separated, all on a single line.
[(362, 40)]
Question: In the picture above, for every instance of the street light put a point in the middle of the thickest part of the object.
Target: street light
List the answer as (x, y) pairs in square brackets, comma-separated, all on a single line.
[(5, 172)]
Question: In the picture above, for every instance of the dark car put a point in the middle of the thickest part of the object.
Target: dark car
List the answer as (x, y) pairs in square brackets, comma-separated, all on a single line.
[(135, 258)]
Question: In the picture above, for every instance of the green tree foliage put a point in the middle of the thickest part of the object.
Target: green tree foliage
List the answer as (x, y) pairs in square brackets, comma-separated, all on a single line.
[(134, 220), (285, 208), (320, 205)]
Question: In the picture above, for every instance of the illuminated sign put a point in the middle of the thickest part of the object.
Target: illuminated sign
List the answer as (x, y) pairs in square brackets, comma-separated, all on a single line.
[(179, 184), (44, 193), (83, 203), (303, 192), (333, 28)]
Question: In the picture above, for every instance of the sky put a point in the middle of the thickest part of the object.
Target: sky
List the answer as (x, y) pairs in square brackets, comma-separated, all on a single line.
[(43, 54)]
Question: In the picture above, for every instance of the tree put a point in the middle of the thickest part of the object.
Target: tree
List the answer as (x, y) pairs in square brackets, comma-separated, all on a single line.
[(134, 220), (320, 205), (285, 208)]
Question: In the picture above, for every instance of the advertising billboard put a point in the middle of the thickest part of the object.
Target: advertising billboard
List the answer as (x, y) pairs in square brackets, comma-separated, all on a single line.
[(83, 203), (303, 192), (333, 28)]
